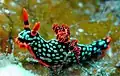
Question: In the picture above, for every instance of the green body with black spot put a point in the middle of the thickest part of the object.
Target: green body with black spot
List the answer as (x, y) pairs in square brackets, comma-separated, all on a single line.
[(54, 52)]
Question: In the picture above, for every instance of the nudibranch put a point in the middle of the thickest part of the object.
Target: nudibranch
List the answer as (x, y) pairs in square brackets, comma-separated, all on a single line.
[(59, 50)]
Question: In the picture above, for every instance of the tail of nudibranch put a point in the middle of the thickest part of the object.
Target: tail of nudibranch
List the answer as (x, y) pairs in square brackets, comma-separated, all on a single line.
[(105, 46), (82, 52), (96, 50)]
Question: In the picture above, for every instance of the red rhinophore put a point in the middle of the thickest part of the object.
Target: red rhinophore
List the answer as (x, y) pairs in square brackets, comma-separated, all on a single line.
[(36, 26), (25, 15), (35, 29)]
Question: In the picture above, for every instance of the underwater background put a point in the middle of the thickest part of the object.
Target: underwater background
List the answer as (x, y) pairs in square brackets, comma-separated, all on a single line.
[(89, 20)]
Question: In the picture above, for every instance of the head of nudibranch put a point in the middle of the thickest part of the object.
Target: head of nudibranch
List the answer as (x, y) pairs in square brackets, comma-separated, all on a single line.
[(27, 35)]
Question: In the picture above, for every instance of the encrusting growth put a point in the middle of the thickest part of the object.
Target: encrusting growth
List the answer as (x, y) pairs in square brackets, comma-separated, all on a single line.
[(54, 51)]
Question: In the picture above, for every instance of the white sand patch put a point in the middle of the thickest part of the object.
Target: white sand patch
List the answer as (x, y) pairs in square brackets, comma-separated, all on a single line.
[(9, 66), (14, 70)]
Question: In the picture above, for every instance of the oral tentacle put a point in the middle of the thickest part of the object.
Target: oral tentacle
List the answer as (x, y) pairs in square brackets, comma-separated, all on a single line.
[(95, 50)]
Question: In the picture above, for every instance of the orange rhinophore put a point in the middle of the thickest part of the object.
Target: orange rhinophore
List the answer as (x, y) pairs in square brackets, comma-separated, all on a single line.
[(25, 18), (25, 15), (35, 29)]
